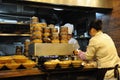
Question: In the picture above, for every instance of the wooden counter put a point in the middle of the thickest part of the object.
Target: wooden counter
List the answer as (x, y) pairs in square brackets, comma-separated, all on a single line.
[(37, 74), (21, 72)]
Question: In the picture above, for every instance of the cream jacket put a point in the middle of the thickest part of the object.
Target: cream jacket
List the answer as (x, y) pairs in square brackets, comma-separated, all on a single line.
[(102, 48)]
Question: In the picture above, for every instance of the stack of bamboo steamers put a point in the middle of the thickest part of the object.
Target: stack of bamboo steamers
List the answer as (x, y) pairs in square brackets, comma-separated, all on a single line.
[(43, 33)]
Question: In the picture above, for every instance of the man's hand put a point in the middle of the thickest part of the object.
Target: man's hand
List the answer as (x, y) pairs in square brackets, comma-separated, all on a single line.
[(76, 52), (80, 53)]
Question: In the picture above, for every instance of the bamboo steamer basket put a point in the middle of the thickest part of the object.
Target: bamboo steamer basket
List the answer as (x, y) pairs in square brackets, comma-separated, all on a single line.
[(29, 64), (64, 41), (50, 65), (54, 30), (36, 36), (65, 64), (55, 41), (46, 34), (12, 66), (76, 63), (36, 41), (34, 19), (46, 30), (1, 66), (5, 59), (20, 58), (37, 27), (63, 29)]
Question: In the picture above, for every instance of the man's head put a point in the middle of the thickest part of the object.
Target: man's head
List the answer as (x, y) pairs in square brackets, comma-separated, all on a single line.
[(94, 27), (70, 36)]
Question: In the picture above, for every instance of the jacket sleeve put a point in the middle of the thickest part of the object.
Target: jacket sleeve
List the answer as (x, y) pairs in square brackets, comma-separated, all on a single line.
[(91, 50), (77, 46)]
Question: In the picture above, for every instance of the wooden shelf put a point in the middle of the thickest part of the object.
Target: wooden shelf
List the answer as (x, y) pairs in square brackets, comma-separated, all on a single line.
[(4, 23), (7, 34)]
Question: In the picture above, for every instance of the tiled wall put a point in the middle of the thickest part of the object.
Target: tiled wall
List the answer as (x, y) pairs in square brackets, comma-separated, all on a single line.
[(112, 24)]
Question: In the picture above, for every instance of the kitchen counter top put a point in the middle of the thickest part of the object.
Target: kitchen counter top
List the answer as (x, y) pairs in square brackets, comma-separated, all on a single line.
[(36, 73), (20, 72)]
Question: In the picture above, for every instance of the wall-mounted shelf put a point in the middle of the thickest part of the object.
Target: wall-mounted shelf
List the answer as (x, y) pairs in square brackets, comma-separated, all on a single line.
[(5, 23), (14, 29), (6, 34)]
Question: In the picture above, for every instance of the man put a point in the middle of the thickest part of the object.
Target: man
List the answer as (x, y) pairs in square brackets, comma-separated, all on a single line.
[(101, 48), (70, 36)]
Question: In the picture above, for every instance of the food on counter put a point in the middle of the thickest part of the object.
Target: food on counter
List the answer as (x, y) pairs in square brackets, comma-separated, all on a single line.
[(51, 64), (90, 64), (15, 61), (65, 64), (29, 64), (1, 66), (55, 61), (5, 59), (19, 58), (76, 63), (13, 65)]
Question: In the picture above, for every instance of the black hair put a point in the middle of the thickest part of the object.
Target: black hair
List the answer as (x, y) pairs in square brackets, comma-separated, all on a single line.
[(96, 24)]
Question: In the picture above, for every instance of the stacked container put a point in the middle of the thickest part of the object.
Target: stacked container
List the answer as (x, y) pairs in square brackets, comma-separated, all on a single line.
[(64, 34), (41, 33), (55, 35), (46, 35), (36, 30)]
